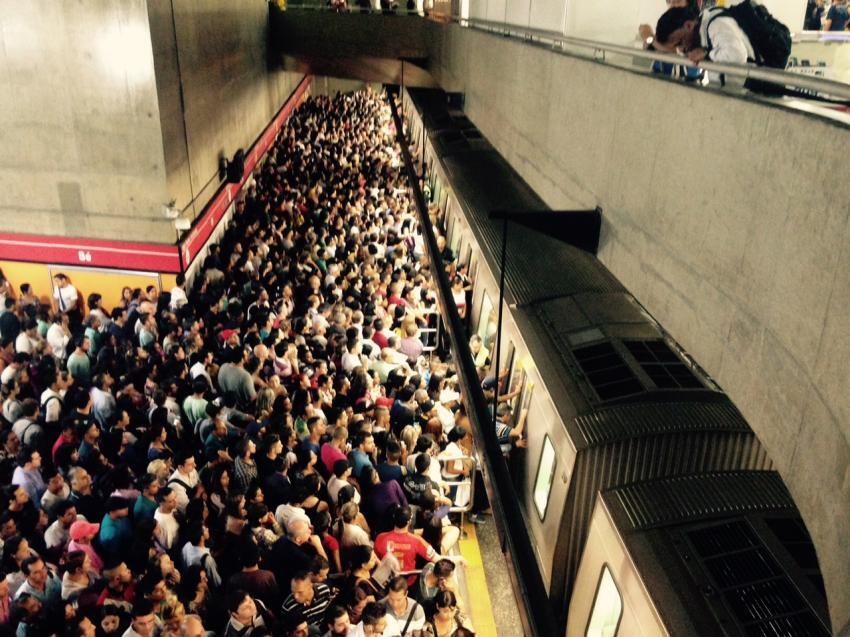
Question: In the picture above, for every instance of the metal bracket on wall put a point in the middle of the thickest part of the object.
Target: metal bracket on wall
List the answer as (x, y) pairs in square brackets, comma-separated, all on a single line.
[(578, 228)]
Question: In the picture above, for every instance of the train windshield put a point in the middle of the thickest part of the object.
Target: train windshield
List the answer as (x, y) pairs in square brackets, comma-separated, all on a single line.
[(607, 608), (545, 475)]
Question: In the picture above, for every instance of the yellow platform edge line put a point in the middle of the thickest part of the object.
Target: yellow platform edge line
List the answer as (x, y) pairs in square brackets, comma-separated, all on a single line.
[(480, 607)]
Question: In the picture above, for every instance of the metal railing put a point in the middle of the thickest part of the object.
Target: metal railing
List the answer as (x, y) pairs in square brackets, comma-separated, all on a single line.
[(558, 40), (560, 43), (467, 481)]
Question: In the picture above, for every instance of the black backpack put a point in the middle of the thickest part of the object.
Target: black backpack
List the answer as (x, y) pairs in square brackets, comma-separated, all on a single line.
[(771, 40)]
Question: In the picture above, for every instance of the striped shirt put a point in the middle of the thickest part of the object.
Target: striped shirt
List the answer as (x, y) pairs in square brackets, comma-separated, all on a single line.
[(314, 612)]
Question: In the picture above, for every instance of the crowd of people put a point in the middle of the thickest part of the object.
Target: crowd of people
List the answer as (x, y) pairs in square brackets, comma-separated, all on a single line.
[(265, 450)]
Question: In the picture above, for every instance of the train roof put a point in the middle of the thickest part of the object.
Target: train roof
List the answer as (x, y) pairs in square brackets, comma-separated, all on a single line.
[(630, 420), (722, 553)]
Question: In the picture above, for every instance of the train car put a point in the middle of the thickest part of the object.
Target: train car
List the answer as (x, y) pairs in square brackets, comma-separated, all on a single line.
[(611, 399), (701, 554)]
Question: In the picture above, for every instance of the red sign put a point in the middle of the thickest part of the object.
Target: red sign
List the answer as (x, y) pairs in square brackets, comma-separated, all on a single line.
[(98, 253), (149, 257), (195, 239)]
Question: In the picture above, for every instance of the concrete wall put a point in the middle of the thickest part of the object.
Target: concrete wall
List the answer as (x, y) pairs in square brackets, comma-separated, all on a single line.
[(727, 218), (215, 53), (82, 146)]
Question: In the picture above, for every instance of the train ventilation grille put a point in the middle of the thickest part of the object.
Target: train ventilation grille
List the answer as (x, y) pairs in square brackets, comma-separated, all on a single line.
[(662, 365), (795, 538), (754, 588), (606, 371)]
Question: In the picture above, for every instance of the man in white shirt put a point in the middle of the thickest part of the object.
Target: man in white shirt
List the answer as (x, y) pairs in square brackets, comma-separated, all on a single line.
[(58, 336), (200, 366), (407, 613), (168, 527), (64, 294), (28, 341), (178, 294), (712, 36), (58, 535), (378, 621), (184, 479), (57, 492), (53, 398)]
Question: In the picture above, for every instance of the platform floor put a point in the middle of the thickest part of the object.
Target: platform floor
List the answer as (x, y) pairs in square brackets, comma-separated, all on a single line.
[(490, 595)]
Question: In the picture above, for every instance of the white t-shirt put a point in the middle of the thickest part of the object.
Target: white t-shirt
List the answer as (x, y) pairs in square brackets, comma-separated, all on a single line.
[(66, 297), (167, 529), (178, 298)]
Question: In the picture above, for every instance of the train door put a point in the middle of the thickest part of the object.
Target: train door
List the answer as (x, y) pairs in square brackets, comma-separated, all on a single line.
[(443, 198), (521, 408), (454, 239), (470, 296), (480, 329), (448, 225)]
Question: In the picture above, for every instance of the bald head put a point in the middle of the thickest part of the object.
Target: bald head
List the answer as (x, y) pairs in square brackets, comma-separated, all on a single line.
[(192, 626), (298, 531)]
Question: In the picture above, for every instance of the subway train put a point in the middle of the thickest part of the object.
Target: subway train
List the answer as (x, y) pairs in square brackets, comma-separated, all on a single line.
[(652, 506)]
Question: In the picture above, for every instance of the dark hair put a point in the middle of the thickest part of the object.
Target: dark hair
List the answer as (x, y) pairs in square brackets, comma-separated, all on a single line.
[(401, 517), (27, 563), (458, 432), (335, 612), (373, 613), (358, 556), (340, 467), (62, 507), (443, 568), (397, 584), (142, 607), (250, 554), (671, 20), (74, 561), (235, 598), (445, 599), (195, 533), (422, 462)]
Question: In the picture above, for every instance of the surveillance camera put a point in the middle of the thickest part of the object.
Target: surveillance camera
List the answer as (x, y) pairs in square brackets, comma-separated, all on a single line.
[(182, 223), (170, 211)]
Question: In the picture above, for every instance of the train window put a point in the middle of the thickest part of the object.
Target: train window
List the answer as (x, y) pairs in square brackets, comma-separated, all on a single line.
[(483, 328), (545, 477), (662, 365), (607, 608), (455, 242)]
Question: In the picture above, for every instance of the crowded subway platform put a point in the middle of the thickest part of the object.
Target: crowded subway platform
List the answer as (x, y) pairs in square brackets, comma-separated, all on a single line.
[(274, 447)]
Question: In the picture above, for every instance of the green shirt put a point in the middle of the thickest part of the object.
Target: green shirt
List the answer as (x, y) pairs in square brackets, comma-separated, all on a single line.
[(195, 408), (143, 509), (79, 366)]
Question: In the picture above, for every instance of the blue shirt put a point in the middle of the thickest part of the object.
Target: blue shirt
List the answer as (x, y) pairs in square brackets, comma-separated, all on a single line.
[(389, 472), (359, 461), (31, 482), (115, 535), (838, 14), (143, 509)]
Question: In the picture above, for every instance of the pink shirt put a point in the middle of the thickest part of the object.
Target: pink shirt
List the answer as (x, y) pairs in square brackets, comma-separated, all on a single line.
[(96, 561), (330, 455)]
